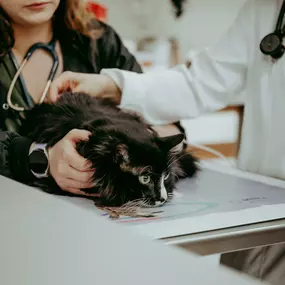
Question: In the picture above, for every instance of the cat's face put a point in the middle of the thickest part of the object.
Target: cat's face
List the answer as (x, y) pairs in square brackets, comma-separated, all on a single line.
[(128, 169)]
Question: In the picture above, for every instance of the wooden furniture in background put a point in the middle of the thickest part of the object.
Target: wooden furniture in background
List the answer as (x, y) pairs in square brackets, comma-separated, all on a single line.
[(227, 149), (230, 149)]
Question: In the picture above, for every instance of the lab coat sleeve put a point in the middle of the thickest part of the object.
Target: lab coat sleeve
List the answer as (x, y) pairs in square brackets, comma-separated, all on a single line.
[(214, 77)]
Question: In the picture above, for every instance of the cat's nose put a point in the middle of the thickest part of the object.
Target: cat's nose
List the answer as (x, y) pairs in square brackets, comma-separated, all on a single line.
[(160, 202)]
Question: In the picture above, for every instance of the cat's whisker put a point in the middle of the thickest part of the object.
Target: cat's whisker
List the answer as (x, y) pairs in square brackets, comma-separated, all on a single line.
[(176, 159), (131, 208), (171, 158), (134, 203)]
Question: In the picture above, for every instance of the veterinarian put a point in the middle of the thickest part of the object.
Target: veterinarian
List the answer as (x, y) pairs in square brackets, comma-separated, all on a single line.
[(80, 44), (245, 58)]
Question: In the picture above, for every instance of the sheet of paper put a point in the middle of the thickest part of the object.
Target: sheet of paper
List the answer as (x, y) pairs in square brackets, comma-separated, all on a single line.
[(211, 201)]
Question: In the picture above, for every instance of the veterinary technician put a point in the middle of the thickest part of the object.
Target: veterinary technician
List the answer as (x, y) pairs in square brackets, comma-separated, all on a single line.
[(47, 38), (250, 57)]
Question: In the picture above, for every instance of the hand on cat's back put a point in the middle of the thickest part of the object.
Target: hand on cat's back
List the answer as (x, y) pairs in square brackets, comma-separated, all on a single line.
[(70, 170), (93, 84)]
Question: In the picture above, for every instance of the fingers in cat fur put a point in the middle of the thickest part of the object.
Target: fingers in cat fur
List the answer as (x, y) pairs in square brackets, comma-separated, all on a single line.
[(74, 191), (81, 176), (77, 162)]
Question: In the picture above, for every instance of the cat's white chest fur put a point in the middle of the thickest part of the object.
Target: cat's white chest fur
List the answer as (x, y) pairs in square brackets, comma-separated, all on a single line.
[(163, 192)]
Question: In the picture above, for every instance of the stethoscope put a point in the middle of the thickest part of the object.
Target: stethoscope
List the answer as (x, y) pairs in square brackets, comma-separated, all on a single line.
[(272, 44), (50, 48)]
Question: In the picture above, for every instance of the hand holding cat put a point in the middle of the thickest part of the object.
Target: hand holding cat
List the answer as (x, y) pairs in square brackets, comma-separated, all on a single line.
[(70, 171), (92, 84)]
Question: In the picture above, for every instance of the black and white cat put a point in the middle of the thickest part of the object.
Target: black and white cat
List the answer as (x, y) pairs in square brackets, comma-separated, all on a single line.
[(132, 162)]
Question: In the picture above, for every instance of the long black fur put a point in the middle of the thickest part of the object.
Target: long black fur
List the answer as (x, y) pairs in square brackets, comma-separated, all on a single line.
[(122, 148)]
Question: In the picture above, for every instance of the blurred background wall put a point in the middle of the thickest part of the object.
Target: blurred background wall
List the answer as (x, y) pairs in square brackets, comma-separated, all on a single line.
[(202, 23)]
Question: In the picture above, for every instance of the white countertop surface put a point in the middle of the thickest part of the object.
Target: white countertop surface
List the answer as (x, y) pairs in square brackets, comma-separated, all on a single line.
[(48, 241)]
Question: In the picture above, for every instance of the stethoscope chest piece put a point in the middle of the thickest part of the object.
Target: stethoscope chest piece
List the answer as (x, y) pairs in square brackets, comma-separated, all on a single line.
[(272, 45)]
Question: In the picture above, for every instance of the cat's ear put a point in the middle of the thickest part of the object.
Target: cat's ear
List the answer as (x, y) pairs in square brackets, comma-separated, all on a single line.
[(168, 143), (122, 153)]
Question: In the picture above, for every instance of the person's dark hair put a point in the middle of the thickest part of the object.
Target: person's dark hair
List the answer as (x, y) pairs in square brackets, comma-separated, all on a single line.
[(70, 15), (6, 34), (178, 6)]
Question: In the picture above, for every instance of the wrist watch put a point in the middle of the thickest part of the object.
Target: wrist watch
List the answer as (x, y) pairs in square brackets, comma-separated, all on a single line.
[(38, 160)]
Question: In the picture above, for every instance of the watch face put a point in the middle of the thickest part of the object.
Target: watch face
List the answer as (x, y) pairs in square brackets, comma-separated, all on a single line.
[(38, 161)]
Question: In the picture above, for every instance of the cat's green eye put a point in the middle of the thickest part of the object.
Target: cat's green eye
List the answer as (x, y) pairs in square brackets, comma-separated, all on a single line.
[(144, 179)]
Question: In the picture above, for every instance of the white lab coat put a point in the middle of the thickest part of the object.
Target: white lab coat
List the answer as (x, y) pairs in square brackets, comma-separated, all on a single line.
[(216, 75)]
